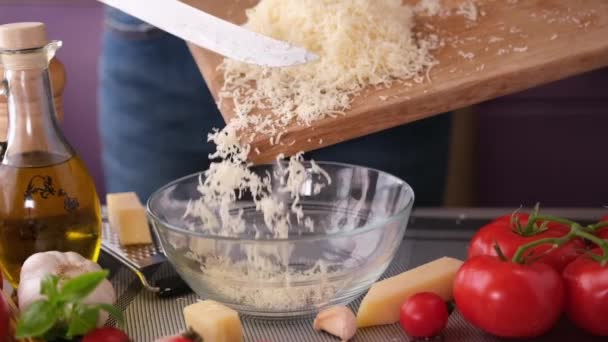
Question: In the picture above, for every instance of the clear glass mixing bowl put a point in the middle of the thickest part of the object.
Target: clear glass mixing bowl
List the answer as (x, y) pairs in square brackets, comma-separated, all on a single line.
[(360, 220)]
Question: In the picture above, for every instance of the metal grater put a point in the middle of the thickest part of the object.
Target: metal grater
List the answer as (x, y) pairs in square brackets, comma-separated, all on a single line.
[(137, 257)]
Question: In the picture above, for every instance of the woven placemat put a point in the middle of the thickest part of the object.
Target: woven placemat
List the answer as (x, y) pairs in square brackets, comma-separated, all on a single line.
[(148, 317)]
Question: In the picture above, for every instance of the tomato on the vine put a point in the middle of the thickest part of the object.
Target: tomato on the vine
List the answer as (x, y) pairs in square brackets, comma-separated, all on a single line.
[(586, 283), (424, 314), (508, 299), (502, 232), (106, 334), (603, 232)]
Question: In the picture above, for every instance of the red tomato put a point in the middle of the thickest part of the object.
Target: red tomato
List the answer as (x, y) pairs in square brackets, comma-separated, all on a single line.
[(424, 314), (106, 334), (587, 294), (5, 315), (603, 232), (177, 338), (501, 232), (507, 299)]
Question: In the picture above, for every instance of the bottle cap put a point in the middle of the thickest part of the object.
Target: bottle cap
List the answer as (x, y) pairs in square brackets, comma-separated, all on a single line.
[(22, 36)]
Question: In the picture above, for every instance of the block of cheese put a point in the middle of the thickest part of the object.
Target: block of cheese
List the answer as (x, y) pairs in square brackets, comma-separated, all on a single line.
[(127, 217), (382, 303), (214, 322)]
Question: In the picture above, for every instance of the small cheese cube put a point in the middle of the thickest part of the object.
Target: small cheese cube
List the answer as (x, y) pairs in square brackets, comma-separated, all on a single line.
[(382, 303), (214, 322), (127, 217)]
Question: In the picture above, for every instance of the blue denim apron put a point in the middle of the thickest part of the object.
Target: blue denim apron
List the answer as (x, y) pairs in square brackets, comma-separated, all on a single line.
[(156, 111)]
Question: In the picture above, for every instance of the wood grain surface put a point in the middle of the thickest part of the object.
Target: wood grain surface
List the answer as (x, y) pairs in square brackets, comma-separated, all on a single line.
[(514, 45)]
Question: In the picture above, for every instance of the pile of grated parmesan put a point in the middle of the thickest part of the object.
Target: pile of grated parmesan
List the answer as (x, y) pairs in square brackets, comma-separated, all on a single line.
[(361, 43), (466, 8)]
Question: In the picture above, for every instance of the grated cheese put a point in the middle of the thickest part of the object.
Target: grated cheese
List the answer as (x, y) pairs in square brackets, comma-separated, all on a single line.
[(466, 55), (360, 43), (494, 39), (267, 286), (468, 10), (429, 8)]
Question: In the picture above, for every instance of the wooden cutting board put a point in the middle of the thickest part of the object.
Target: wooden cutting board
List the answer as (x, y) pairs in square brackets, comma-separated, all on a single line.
[(513, 45)]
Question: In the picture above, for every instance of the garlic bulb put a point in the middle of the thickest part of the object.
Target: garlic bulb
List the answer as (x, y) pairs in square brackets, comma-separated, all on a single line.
[(66, 266)]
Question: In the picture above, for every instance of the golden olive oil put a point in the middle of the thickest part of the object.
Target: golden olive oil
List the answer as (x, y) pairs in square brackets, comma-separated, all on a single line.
[(48, 202)]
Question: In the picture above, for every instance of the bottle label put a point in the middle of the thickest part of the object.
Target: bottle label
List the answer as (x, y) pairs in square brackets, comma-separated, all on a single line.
[(43, 187)]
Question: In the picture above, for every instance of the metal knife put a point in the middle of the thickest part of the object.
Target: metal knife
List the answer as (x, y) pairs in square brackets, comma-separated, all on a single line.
[(213, 33)]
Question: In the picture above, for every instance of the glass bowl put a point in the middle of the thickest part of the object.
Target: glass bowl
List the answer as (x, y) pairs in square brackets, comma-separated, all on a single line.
[(359, 223)]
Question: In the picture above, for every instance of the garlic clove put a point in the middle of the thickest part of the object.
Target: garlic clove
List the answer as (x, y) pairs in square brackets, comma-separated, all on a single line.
[(339, 321)]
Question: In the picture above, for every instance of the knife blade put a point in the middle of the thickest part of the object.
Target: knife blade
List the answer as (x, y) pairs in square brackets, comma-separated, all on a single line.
[(212, 33)]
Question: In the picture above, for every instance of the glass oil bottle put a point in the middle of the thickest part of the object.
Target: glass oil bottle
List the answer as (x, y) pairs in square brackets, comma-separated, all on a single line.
[(48, 200)]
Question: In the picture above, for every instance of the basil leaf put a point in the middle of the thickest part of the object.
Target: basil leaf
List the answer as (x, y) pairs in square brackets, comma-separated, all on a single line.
[(82, 320), (48, 287), (79, 287), (112, 310), (37, 319)]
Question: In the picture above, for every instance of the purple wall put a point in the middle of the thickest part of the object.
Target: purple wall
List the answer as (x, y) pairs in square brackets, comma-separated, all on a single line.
[(547, 144), (78, 24)]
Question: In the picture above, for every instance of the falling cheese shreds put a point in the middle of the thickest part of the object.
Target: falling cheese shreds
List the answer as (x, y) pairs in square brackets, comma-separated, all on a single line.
[(466, 55), (429, 8), (360, 43)]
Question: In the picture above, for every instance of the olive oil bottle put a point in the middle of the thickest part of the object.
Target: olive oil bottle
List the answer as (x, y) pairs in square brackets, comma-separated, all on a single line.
[(48, 200)]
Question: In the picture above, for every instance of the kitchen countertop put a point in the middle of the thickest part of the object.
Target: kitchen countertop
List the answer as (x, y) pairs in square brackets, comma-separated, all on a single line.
[(432, 233)]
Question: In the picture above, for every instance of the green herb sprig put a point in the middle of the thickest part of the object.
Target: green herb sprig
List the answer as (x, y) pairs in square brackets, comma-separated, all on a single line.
[(61, 315)]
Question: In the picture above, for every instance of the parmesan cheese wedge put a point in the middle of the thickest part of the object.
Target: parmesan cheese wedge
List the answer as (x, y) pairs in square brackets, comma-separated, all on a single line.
[(128, 219), (214, 322), (383, 301)]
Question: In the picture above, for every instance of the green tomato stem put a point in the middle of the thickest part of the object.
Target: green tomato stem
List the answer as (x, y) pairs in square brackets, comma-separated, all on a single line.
[(534, 218), (596, 226), (499, 252), (598, 241), (518, 257)]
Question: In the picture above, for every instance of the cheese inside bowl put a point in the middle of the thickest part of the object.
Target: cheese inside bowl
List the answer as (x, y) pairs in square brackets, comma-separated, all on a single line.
[(334, 249)]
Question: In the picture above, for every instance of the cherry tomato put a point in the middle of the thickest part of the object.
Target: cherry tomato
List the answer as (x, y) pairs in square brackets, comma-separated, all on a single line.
[(501, 232), (106, 334), (424, 314), (5, 315), (507, 299), (586, 283)]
